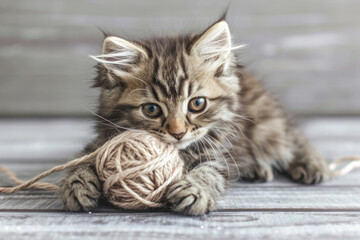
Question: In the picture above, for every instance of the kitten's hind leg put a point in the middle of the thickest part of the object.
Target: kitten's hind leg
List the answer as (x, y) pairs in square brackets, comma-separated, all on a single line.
[(307, 166), (80, 189)]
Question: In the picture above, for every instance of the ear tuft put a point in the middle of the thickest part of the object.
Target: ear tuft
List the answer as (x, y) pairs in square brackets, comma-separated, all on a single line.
[(119, 59), (215, 43), (224, 14), (119, 53)]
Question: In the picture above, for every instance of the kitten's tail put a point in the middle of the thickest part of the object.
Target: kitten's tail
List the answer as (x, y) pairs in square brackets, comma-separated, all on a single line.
[(353, 162)]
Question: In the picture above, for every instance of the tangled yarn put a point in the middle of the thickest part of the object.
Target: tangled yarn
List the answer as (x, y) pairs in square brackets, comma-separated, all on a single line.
[(135, 168)]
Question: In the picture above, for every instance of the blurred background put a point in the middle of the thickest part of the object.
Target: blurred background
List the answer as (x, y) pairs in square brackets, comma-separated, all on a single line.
[(306, 52)]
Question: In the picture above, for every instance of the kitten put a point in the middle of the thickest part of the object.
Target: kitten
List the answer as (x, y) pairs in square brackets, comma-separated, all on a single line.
[(191, 92)]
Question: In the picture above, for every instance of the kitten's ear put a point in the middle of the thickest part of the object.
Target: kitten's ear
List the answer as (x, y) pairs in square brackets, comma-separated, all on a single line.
[(214, 45), (118, 53), (119, 59)]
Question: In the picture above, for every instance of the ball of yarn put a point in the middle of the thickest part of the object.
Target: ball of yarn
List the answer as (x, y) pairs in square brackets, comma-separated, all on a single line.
[(135, 168)]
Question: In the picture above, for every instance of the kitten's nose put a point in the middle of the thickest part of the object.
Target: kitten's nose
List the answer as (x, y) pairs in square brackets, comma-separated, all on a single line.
[(178, 136), (176, 127)]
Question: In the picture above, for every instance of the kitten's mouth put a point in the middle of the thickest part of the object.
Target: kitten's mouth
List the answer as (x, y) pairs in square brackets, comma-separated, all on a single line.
[(185, 141), (181, 144)]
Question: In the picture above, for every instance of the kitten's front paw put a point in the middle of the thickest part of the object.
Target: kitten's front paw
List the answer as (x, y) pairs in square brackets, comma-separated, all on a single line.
[(189, 198), (309, 173), (80, 191)]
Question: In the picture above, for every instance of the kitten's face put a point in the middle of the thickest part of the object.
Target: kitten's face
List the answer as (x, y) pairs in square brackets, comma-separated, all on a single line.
[(179, 88)]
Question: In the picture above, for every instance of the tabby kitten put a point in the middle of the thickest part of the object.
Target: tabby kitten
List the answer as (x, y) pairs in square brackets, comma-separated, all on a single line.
[(191, 92)]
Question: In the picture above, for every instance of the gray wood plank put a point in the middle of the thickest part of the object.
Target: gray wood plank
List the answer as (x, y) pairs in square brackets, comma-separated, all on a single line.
[(59, 139), (292, 198), (27, 170), (30, 169), (307, 52), (219, 225), (240, 197), (43, 139)]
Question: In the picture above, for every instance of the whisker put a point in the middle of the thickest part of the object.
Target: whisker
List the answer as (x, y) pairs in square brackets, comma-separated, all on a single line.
[(143, 81), (237, 168), (221, 145), (138, 89), (207, 154), (113, 124), (106, 124), (213, 149)]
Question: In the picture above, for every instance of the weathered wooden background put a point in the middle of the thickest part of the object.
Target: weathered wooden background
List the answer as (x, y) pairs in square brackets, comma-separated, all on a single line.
[(307, 52)]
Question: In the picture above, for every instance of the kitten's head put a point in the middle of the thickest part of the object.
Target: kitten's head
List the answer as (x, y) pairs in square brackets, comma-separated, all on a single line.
[(181, 88)]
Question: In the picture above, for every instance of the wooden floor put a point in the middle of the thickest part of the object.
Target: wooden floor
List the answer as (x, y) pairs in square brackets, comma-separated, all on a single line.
[(277, 210)]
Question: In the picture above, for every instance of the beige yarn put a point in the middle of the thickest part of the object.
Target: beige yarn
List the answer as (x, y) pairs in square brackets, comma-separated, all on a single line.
[(135, 168)]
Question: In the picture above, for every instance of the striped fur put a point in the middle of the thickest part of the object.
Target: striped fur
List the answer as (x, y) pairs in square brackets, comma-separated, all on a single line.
[(241, 134)]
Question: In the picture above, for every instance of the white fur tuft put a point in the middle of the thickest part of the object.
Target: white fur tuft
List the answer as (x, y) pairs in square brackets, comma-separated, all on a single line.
[(215, 43), (117, 51)]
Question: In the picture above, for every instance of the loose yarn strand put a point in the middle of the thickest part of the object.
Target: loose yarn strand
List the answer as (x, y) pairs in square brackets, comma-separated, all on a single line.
[(32, 183), (12, 176), (354, 163), (35, 186)]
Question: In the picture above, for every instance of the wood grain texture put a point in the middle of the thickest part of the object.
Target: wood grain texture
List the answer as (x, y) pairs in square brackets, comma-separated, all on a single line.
[(276, 210), (306, 52), (240, 197), (158, 225)]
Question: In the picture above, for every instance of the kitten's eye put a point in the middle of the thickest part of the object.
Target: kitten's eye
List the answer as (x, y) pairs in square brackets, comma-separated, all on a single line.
[(151, 110), (197, 104)]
